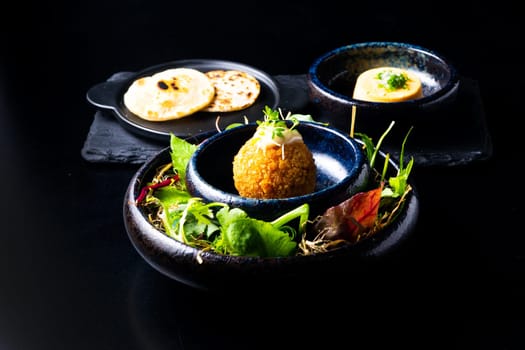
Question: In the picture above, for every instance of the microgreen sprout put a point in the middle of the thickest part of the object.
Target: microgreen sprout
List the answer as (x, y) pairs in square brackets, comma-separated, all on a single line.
[(397, 184), (276, 122)]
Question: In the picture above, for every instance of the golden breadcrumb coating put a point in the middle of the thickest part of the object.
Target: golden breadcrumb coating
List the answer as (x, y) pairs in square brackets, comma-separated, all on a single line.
[(274, 171)]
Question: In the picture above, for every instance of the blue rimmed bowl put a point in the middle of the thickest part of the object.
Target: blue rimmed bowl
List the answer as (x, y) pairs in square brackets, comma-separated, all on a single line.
[(340, 163), (332, 76)]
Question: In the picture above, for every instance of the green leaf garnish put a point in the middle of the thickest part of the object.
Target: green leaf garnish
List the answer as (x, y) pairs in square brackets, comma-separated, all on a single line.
[(181, 152), (392, 81)]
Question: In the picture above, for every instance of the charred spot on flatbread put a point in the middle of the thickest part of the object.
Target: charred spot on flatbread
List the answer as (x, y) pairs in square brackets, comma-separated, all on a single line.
[(234, 90), (170, 94)]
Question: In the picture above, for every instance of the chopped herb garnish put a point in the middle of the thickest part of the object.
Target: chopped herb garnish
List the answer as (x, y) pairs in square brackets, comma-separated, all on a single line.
[(392, 81)]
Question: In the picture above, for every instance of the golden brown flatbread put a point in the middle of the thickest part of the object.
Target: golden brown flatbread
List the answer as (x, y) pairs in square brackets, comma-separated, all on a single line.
[(234, 90), (170, 94)]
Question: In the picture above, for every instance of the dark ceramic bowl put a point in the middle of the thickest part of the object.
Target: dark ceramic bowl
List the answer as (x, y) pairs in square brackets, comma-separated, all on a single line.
[(332, 76), (232, 273), (341, 171)]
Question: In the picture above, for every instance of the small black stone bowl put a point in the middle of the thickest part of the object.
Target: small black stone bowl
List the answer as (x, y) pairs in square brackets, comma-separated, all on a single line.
[(342, 169), (332, 77)]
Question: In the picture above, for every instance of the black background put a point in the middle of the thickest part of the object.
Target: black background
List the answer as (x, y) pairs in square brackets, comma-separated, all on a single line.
[(70, 278)]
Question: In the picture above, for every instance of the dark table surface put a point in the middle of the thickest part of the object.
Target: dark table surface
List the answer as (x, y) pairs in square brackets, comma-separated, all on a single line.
[(71, 279)]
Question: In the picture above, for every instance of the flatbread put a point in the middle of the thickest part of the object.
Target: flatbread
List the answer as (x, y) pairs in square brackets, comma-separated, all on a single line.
[(170, 94), (234, 90)]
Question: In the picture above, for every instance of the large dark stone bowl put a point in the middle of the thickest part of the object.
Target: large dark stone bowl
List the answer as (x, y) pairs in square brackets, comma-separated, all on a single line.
[(211, 271)]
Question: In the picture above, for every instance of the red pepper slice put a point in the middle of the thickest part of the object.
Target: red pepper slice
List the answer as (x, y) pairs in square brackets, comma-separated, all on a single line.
[(144, 191), (349, 219)]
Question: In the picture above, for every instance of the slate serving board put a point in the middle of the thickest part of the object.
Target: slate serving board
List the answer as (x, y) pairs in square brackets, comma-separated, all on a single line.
[(463, 139)]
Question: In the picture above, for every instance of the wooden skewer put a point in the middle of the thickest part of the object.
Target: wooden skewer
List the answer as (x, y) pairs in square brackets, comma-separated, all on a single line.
[(353, 121)]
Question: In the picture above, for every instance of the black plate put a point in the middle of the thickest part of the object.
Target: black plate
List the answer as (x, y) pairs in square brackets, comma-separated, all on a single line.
[(109, 95)]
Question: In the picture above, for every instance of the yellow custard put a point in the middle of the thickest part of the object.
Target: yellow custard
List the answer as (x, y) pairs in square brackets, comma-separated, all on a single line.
[(387, 84)]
